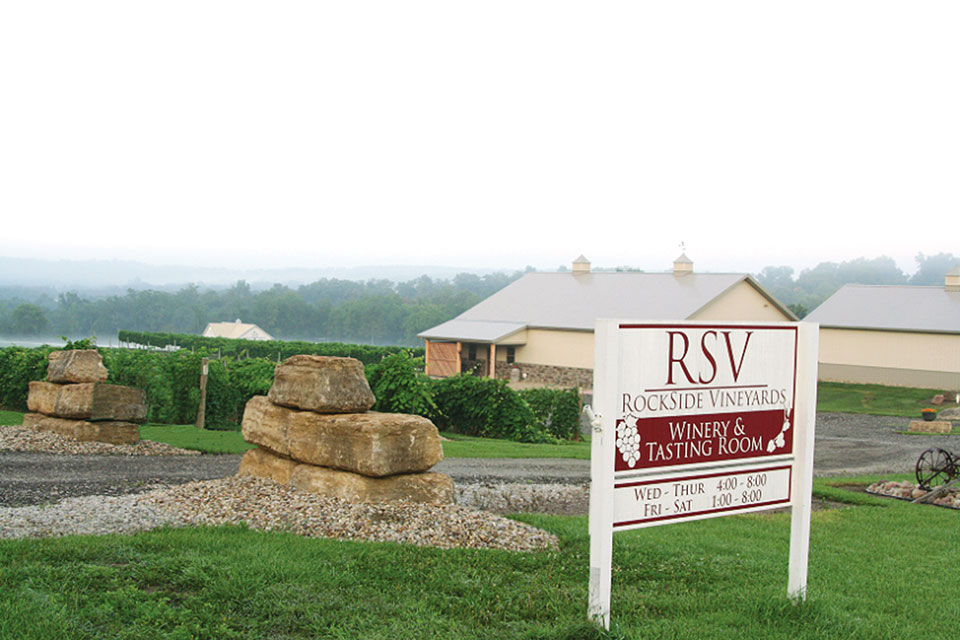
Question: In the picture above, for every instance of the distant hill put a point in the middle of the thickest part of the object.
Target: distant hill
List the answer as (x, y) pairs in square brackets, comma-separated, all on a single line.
[(65, 275)]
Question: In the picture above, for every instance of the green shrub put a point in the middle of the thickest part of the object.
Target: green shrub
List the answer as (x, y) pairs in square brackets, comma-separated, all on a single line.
[(168, 399), (248, 378), (486, 407), (557, 410), (400, 386), (18, 367)]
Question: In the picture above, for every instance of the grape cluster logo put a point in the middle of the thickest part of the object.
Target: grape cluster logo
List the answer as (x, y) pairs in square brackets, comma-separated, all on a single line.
[(628, 440)]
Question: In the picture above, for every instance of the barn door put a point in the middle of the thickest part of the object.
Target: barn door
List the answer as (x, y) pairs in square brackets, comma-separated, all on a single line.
[(444, 359)]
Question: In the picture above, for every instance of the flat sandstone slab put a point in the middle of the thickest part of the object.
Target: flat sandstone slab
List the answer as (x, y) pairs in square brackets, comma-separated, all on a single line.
[(76, 365), (371, 444), (427, 488), (263, 464), (931, 426), (83, 431), (88, 401), (324, 384)]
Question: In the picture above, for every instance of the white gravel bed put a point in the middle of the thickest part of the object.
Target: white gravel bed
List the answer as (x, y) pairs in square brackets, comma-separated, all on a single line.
[(562, 499), (20, 438), (910, 491), (265, 505)]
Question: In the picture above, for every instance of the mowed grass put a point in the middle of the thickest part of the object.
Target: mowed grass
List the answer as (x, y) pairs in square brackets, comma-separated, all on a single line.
[(875, 572), (461, 446), (187, 436), (874, 399), (11, 417), (455, 445)]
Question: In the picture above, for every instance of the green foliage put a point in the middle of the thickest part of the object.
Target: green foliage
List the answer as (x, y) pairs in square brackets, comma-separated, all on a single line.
[(84, 343), (813, 286), (273, 349), (18, 367), (28, 320), (375, 312), (486, 407), (558, 410), (400, 386), (252, 377), (172, 383)]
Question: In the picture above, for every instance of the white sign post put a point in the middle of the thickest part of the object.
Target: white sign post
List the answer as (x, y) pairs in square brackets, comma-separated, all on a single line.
[(699, 420)]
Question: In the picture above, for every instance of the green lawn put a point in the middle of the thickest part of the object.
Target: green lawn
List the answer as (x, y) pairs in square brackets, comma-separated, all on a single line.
[(11, 417), (873, 574), (460, 446), (187, 436), (875, 399)]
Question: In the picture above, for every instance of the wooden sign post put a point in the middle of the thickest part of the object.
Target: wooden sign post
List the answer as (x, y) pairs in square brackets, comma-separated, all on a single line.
[(202, 409), (699, 420)]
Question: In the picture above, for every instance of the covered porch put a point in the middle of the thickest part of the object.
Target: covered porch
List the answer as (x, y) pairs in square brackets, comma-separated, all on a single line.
[(477, 348)]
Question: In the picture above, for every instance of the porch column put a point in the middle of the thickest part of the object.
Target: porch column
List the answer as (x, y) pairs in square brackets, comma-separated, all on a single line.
[(459, 362), (493, 360), (426, 358)]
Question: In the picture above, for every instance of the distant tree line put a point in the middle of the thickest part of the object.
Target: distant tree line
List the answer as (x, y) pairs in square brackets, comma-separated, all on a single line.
[(373, 312), (376, 311), (806, 291)]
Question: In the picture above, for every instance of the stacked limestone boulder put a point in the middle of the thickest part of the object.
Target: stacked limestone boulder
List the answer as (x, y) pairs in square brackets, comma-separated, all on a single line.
[(314, 431), (76, 402)]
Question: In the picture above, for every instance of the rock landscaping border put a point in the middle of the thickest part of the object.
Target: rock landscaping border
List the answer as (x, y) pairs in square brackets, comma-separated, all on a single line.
[(909, 491)]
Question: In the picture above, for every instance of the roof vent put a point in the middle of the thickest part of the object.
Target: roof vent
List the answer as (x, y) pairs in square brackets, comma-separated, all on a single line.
[(581, 265), (682, 265), (952, 281)]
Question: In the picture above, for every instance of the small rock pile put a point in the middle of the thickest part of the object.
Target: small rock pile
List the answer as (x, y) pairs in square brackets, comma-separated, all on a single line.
[(910, 491), (76, 402), (313, 431), (20, 438)]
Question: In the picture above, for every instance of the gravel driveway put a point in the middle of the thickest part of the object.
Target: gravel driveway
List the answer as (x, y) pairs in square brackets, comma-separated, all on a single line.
[(846, 444)]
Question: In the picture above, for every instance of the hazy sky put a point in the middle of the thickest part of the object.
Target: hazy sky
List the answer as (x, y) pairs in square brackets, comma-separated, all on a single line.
[(480, 134)]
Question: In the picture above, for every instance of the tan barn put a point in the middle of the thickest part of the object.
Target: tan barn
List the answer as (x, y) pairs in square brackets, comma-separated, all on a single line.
[(539, 328), (892, 335), (237, 330)]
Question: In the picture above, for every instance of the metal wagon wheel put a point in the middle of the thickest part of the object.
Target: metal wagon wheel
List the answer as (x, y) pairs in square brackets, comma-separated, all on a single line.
[(934, 468)]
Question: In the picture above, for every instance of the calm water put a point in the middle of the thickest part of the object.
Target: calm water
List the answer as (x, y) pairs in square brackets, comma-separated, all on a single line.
[(54, 341)]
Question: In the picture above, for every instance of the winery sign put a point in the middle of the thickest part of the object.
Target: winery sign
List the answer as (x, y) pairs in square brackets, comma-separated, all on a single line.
[(698, 420)]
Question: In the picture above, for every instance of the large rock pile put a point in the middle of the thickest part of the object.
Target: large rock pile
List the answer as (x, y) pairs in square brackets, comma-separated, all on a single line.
[(76, 401), (314, 432)]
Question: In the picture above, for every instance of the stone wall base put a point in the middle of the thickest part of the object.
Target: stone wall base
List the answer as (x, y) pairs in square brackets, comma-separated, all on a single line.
[(111, 432), (427, 488), (548, 375)]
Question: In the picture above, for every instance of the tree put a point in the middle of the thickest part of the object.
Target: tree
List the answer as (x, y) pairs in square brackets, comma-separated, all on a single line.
[(932, 269), (28, 320)]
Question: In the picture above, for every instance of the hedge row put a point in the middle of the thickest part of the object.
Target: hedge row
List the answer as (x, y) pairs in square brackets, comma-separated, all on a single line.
[(272, 349), (171, 380), (474, 405)]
